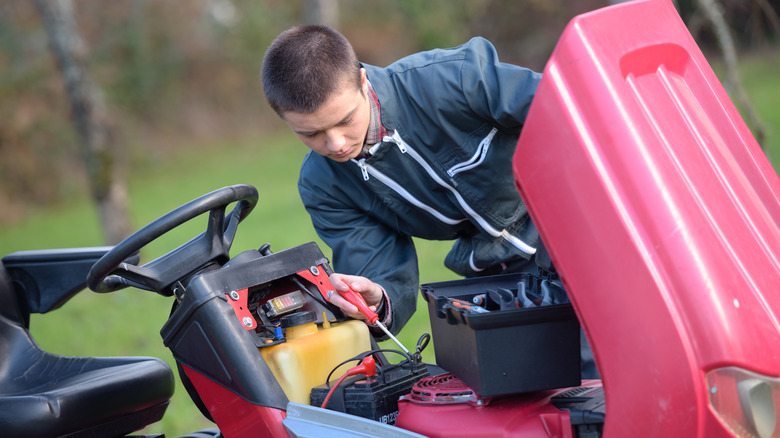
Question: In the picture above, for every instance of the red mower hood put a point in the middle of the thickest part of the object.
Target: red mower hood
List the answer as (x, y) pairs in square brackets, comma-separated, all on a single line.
[(661, 213)]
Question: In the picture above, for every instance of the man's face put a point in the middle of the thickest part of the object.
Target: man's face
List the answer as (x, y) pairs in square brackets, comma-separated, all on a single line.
[(338, 128)]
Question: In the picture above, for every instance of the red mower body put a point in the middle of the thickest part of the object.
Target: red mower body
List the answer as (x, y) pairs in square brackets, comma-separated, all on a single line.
[(661, 213)]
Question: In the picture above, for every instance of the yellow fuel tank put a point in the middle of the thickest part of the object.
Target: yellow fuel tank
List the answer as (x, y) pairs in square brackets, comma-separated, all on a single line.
[(312, 352)]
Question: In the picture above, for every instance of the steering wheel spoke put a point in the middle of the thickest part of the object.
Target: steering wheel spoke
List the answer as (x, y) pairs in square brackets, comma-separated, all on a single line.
[(135, 276), (231, 226), (215, 229), (111, 273)]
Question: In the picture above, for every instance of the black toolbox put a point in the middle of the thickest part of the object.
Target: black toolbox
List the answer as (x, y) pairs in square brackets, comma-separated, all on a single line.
[(499, 348)]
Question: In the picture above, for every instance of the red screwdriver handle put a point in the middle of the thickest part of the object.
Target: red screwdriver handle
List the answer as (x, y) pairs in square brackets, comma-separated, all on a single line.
[(357, 300)]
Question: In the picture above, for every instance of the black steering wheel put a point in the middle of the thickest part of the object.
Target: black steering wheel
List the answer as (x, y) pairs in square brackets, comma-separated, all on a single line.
[(111, 272)]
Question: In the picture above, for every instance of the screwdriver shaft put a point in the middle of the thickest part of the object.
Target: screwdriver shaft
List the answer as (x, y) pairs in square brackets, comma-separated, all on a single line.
[(357, 300), (390, 335)]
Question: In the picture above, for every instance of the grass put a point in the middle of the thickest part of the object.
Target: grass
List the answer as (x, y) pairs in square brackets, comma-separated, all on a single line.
[(758, 75), (128, 322)]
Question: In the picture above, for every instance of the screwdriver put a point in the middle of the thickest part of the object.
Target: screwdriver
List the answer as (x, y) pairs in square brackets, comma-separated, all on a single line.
[(466, 306), (357, 300)]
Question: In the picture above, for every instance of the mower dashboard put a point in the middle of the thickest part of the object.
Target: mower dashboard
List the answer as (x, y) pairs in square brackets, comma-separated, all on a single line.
[(265, 289)]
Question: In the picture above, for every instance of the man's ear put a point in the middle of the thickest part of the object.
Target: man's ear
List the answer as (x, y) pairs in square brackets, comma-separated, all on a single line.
[(363, 81)]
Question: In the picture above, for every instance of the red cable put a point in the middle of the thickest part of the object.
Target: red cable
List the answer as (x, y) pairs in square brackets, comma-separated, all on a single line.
[(332, 390), (367, 367)]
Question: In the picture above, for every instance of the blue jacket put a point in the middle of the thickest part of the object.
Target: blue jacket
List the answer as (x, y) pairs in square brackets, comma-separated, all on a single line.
[(445, 173)]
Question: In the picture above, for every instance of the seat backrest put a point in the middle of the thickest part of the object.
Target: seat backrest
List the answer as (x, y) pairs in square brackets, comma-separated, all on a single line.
[(12, 302), (46, 279)]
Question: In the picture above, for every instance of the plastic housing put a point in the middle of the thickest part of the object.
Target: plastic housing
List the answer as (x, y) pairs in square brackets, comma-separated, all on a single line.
[(660, 211)]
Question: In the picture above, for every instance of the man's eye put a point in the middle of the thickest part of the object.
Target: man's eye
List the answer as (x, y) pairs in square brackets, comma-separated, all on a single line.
[(312, 135), (346, 122)]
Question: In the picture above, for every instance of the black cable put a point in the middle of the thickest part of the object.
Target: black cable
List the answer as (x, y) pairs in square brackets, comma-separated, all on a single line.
[(422, 342), (302, 286), (361, 356)]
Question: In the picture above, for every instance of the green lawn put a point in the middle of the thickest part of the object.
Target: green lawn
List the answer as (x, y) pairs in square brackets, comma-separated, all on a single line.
[(762, 84), (128, 322)]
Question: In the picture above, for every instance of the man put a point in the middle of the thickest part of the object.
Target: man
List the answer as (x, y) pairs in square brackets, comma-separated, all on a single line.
[(420, 148)]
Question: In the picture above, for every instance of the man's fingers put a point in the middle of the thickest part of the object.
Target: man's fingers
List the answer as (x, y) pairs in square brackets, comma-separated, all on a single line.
[(370, 292), (340, 283), (339, 301)]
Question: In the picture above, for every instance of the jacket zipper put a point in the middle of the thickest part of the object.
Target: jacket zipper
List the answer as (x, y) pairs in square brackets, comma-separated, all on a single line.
[(478, 157), (406, 149), (367, 169)]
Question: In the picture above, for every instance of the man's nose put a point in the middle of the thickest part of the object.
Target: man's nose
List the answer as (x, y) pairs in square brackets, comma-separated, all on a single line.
[(336, 140)]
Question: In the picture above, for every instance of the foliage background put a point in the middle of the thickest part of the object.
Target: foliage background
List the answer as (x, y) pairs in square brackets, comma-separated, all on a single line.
[(175, 72), (181, 82)]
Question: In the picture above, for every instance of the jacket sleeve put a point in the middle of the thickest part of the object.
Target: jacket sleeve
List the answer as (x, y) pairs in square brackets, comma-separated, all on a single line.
[(496, 91), (361, 244)]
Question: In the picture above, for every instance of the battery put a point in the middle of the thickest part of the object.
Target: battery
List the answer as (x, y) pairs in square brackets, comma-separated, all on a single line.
[(375, 398)]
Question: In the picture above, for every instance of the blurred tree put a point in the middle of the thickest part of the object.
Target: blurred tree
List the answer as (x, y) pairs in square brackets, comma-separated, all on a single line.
[(436, 23), (181, 74), (526, 32), (753, 23), (713, 11), (322, 12), (90, 117)]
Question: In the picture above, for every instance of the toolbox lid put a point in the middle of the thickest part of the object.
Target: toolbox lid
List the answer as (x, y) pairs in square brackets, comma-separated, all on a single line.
[(659, 210)]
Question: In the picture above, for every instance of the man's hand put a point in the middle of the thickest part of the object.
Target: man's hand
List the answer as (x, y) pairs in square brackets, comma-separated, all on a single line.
[(372, 293)]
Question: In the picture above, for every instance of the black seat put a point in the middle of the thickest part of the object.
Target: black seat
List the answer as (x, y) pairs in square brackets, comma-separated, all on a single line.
[(47, 395)]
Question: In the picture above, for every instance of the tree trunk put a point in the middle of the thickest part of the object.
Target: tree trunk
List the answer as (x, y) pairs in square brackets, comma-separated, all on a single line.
[(713, 14), (322, 12), (770, 15), (90, 118)]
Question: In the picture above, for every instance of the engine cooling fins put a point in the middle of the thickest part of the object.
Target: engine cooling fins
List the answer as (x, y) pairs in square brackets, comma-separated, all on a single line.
[(444, 389)]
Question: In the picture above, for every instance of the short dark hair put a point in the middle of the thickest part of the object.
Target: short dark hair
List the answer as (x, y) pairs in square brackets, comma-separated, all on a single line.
[(305, 65)]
